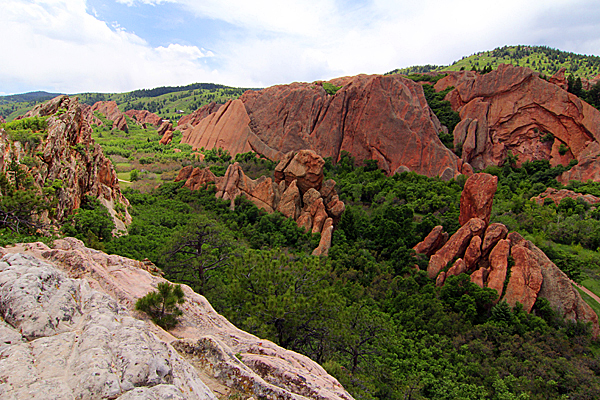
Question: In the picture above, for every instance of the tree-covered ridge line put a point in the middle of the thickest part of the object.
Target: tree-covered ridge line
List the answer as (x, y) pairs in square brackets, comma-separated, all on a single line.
[(546, 60), (169, 102)]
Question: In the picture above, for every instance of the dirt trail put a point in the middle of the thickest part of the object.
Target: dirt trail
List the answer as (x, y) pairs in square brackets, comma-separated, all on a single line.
[(586, 290)]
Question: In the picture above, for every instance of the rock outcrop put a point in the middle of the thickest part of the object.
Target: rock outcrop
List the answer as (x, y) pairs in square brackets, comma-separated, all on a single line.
[(383, 118), (70, 331), (477, 197), (298, 192), (556, 196), (112, 112), (513, 111), (144, 117), (485, 250), (69, 154)]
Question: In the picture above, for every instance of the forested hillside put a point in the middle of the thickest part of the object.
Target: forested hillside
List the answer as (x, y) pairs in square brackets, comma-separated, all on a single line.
[(169, 102), (545, 60)]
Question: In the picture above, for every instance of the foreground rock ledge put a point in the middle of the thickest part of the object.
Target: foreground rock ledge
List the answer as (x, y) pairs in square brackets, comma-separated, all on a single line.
[(68, 331)]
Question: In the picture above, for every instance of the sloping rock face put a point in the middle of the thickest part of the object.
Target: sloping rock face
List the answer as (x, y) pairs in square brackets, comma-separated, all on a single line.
[(485, 251), (61, 339), (112, 112), (477, 197), (559, 195), (298, 192), (144, 117), (198, 115), (85, 321), (70, 154), (383, 118), (513, 110)]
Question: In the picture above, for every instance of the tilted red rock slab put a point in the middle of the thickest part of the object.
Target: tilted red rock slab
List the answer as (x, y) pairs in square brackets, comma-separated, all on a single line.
[(383, 118)]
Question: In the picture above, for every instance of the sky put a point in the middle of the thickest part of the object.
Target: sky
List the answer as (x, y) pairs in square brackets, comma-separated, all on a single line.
[(74, 46)]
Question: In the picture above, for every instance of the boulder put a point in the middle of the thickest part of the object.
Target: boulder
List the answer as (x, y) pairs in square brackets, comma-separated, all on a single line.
[(525, 278), (473, 253), (305, 167), (432, 242), (493, 234), (498, 261), (559, 79), (198, 178), (290, 204), (325, 242), (477, 197), (166, 131), (479, 277), (441, 279), (459, 267), (455, 246)]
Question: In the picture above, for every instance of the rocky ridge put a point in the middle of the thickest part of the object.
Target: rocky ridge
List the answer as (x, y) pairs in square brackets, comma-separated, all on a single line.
[(383, 118), (483, 250), (69, 154), (512, 111), (559, 195), (68, 330), (298, 192)]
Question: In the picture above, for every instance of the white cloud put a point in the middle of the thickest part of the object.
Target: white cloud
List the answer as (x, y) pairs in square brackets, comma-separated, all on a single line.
[(56, 45), (63, 46)]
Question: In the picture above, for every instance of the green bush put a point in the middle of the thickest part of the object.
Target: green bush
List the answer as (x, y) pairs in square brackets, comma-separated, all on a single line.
[(161, 305)]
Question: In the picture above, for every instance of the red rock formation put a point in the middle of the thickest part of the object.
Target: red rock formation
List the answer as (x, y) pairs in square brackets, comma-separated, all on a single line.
[(559, 79), (144, 117), (166, 131), (315, 211), (498, 267), (477, 197), (226, 128), (493, 234), (513, 110), (305, 167), (455, 246), (525, 279), (384, 118), (198, 115), (83, 173), (532, 275), (112, 112), (559, 195), (473, 253), (432, 242)]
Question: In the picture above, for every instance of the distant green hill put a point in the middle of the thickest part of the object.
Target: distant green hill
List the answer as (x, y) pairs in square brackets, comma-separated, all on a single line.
[(545, 60), (170, 102)]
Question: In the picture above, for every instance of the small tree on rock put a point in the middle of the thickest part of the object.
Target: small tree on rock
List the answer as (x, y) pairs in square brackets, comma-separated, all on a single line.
[(161, 305)]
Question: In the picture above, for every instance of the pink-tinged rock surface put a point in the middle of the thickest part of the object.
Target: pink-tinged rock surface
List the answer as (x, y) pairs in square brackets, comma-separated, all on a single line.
[(205, 338), (477, 197), (498, 267)]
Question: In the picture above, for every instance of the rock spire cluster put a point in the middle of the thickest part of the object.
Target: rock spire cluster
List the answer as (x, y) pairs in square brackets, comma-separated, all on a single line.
[(499, 259), (297, 191)]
